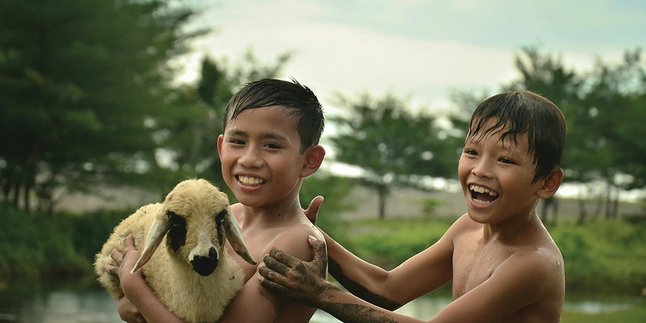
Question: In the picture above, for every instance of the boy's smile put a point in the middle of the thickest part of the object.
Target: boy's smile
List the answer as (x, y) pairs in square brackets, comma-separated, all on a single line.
[(482, 194), (250, 181)]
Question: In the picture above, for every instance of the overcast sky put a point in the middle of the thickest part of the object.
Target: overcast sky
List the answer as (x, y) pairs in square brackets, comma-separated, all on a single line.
[(420, 50)]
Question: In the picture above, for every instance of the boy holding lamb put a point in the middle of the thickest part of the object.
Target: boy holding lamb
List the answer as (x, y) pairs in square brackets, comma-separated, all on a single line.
[(270, 143)]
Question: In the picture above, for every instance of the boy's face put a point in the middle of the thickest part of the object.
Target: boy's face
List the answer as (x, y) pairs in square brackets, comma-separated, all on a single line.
[(260, 154), (496, 178)]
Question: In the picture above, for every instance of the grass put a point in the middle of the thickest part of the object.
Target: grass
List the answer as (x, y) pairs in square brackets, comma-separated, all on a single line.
[(603, 256), (629, 314)]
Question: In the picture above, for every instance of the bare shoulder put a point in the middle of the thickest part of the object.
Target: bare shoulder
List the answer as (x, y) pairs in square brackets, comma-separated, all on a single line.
[(539, 269), (236, 210), (464, 224), (293, 239), (541, 256)]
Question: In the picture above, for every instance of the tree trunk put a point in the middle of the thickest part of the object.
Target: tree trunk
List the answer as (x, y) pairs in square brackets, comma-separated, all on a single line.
[(615, 204), (608, 200), (25, 198), (16, 194), (382, 202), (583, 214)]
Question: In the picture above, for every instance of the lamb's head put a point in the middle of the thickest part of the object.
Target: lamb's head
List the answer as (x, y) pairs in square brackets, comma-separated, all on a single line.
[(195, 218)]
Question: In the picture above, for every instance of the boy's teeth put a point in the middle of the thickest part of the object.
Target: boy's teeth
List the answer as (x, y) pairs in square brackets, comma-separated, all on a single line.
[(480, 189), (252, 181)]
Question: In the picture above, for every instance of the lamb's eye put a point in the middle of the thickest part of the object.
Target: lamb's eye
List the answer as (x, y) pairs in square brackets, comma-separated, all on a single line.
[(177, 231), (175, 220), (219, 218)]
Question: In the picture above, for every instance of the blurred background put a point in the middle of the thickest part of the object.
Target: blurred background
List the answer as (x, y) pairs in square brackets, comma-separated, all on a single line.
[(106, 104)]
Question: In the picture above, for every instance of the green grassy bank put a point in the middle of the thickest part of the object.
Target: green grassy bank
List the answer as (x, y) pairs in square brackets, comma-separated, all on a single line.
[(604, 256), (57, 245)]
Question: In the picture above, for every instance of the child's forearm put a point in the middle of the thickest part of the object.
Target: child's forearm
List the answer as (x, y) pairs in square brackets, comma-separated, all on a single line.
[(348, 308), (361, 278), (144, 299)]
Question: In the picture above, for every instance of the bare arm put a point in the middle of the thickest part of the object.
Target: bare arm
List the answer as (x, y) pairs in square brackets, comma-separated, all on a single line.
[(381, 287), (508, 295), (305, 282), (431, 269), (346, 268), (267, 306), (137, 291)]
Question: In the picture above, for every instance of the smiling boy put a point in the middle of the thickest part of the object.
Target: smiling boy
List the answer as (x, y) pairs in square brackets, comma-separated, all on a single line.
[(501, 260), (269, 145)]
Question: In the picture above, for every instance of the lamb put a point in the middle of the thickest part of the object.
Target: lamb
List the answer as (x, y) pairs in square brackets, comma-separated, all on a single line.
[(192, 274)]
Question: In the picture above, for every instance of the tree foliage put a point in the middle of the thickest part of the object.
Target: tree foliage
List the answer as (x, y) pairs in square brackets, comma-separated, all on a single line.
[(393, 146), (87, 96), (604, 109), (81, 86)]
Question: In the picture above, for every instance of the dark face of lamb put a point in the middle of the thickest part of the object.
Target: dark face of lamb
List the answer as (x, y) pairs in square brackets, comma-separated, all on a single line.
[(204, 256)]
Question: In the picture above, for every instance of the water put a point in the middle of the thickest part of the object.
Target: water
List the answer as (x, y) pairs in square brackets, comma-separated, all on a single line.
[(82, 301), (44, 303)]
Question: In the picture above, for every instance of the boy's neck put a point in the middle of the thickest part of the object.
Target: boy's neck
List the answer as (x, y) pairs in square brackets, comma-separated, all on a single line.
[(512, 229), (275, 213)]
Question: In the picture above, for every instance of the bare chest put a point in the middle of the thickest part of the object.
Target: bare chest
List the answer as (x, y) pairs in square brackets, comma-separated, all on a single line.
[(258, 245), (474, 263)]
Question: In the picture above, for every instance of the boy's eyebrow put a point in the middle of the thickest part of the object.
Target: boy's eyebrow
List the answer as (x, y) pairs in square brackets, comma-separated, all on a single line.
[(507, 144), (265, 135), (235, 132)]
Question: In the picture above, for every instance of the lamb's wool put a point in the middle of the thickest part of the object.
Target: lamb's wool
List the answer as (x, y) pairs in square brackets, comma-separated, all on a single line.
[(187, 294)]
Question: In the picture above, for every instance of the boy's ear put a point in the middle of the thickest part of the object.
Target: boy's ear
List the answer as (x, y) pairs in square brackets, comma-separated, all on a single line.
[(220, 139), (551, 184), (313, 159)]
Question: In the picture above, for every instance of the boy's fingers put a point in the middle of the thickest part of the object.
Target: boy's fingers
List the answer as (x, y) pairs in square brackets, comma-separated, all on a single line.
[(267, 282), (320, 251), (313, 209), (128, 242), (320, 254), (113, 270), (286, 259), (275, 265), (116, 255)]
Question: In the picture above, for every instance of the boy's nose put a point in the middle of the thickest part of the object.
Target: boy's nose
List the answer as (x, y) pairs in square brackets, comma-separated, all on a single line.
[(481, 169), (250, 158)]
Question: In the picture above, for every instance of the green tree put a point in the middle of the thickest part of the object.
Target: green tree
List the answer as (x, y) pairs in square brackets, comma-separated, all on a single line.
[(615, 103), (82, 84), (604, 111), (392, 145)]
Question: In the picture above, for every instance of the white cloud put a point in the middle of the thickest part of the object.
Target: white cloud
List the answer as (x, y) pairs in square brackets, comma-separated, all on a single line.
[(341, 49)]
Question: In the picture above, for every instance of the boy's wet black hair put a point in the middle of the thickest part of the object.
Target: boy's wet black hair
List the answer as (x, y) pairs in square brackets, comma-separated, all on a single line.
[(516, 113), (299, 99)]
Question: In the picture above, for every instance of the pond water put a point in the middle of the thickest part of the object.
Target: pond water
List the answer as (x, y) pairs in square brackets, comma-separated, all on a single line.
[(82, 301)]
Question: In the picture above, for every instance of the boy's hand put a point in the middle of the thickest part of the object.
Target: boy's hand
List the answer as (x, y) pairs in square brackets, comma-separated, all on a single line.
[(313, 209), (124, 263), (291, 277), (128, 312), (125, 260)]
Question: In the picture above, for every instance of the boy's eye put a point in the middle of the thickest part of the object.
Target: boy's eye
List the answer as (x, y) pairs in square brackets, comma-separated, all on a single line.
[(506, 160), (272, 146), (235, 141), (471, 152)]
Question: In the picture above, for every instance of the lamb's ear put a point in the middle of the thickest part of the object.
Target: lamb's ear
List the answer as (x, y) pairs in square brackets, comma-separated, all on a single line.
[(232, 231), (155, 235)]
